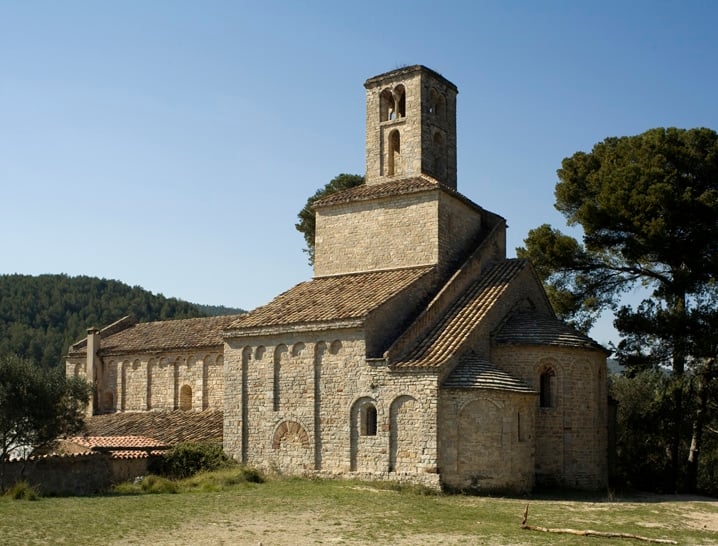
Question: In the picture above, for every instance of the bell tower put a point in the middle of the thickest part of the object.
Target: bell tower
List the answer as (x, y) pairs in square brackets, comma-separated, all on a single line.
[(408, 212), (410, 126)]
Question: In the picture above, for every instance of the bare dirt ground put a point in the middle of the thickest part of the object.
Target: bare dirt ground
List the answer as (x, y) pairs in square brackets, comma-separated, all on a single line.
[(703, 520), (290, 531)]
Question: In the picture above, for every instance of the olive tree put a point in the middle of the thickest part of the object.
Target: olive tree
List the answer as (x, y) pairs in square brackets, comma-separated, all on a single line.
[(36, 406)]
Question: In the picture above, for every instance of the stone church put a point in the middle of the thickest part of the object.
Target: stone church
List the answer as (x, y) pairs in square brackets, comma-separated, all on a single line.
[(417, 352)]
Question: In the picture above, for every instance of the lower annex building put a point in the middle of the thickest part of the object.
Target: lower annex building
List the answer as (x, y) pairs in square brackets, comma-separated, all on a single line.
[(417, 352)]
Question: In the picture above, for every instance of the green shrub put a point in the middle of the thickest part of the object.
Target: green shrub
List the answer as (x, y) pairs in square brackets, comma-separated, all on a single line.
[(219, 480), (127, 488), (252, 475), (187, 459), (22, 491), (158, 484)]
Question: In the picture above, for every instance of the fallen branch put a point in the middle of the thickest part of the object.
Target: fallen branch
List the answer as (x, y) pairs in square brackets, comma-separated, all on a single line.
[(590, 533)]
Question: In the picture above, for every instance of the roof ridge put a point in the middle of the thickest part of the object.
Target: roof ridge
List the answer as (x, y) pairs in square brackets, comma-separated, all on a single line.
[(159, 334), (190, 319), (402, 186), (368, 271)]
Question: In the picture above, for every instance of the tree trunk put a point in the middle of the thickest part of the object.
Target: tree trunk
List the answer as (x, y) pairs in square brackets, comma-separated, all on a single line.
[(675, 436), (698, 424), (679, 366)]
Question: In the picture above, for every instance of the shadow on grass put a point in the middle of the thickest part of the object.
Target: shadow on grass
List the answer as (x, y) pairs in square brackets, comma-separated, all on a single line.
[(608, 496)]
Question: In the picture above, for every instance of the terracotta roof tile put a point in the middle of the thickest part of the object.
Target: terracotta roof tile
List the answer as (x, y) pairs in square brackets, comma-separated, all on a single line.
[(474, 372), (63, 446), (123, 442), (164, 335), (59, 455), (118, 447), (367, 192), (375, 191), (340, 297), (533, 329), (135, 454), (167, 427), (457, 323)]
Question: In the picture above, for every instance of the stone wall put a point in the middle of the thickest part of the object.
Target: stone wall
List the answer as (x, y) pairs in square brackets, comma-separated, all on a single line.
[(487, 440), (83, 474), (438, 118), (157, 381), (127, 469), (62, 475), (571, 429), (460, 229), (312, 403), (431, 227), (376, 235), (387, 322)]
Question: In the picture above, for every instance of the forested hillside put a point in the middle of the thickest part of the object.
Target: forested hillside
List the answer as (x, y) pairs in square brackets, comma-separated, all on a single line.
[(40, 316), (217, 310)]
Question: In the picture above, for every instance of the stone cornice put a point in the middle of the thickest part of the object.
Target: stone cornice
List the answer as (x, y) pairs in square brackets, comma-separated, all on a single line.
[(292, 328)]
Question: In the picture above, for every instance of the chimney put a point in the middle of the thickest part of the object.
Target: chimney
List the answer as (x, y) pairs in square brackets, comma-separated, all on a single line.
[(93, 346)]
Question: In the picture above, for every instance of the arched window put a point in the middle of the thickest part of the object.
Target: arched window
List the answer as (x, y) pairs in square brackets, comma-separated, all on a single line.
[(185, 402), (298, 349), (335, 347), (368, 420), (392, 104), (399, 101), (386, 105), (109, 401), (394, 158), (547, 388), (436, 104)]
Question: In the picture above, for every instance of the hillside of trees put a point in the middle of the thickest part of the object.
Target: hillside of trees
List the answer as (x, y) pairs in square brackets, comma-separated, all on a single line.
[(40, 316), (217, 310)]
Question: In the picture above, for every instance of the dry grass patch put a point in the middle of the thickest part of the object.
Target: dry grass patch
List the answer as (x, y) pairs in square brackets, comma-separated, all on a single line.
[(221, 508)]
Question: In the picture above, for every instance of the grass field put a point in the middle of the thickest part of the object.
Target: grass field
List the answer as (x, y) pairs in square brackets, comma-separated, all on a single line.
[(221, 508)]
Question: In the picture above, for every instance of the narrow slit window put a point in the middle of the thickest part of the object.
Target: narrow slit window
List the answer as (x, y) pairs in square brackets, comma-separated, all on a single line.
[(400, 101), (547, 384), (276, 386), (394, 159), (368, 420)]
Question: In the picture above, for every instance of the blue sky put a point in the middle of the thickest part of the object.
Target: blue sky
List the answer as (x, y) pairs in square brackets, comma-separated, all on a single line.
[(171, 144)]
